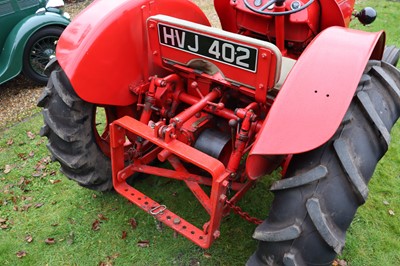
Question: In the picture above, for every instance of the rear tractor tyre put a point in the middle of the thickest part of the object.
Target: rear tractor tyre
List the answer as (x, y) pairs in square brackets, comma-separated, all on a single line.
[(391, 55), (69, 125), (317, 199)]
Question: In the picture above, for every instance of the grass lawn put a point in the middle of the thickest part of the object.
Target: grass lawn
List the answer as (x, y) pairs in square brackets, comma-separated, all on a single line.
[(46, 219)]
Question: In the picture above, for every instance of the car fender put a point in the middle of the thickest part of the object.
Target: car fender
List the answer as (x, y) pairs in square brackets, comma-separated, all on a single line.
[(104, 50), (315, 96), (12, 54)]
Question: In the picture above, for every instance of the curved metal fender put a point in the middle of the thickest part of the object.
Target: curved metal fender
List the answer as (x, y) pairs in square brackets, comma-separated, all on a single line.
[(336, 13), (104, 50), (12, 54), (315, 96)]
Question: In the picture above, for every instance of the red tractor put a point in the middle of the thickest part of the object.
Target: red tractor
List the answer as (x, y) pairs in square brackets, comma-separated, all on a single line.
[(283, 85)]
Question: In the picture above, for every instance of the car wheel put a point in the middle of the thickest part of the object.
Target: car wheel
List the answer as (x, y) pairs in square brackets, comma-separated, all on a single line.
[(40, 48)]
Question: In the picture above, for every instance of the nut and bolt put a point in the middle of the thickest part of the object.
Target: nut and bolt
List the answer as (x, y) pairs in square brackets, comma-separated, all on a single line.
[(194, 85), (216, 234), (122, 176), (222, 198)]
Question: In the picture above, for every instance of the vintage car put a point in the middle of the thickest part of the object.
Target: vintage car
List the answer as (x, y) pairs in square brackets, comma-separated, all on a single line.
[(29, 33)]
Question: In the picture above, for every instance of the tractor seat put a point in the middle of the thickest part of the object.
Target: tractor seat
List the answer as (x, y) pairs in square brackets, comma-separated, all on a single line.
[(286, 67)]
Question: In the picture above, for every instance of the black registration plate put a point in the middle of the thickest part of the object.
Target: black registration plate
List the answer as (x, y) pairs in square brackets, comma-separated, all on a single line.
[(227, 52)]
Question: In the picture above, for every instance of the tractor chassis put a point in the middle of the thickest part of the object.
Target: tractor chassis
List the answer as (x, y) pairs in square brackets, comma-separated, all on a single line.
[(204, 98)]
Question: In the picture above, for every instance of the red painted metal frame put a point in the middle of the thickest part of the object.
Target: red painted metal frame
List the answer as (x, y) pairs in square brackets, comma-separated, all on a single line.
[(102, 71), (214, 204), (104, 50), (297, 27), (295, 30)]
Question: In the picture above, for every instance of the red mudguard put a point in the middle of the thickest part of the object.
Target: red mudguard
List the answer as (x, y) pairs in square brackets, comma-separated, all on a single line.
[(316, 95), (104, 50)]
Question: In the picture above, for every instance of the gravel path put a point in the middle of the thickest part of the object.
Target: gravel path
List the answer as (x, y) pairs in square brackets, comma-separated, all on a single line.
[(17, 100), (18, 96)]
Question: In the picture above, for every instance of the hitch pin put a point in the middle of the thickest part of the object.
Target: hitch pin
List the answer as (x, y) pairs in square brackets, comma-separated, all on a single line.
[(157, 209)]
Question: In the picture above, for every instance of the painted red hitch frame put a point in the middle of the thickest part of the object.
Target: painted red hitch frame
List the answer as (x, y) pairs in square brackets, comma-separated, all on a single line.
[(177, 153)]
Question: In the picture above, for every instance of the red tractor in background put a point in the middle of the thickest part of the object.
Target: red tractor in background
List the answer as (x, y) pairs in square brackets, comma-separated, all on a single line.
[(283, 85)]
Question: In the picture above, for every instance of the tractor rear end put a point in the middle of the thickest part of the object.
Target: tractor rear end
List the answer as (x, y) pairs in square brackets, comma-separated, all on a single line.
[(284, 85)]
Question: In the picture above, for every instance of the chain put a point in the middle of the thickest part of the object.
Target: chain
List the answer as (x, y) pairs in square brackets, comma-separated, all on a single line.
[(236, 209)]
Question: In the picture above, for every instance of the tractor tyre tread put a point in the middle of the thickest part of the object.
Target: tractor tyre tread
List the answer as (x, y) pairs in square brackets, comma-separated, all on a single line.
[(377, 122), (300, 180), (324, 187), (324, 225), (349, 166), (386, 78), (391, 55), (68, 125)]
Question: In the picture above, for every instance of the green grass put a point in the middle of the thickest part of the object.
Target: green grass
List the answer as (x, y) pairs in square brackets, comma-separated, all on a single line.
[(71, 210), (68, 211), (387, 19), (374, 236)]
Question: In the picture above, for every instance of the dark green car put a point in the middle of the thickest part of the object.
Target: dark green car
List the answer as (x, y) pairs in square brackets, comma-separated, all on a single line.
[(29, 31)]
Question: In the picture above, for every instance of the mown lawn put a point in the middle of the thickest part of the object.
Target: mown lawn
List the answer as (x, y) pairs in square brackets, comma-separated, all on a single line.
[(45, 219)]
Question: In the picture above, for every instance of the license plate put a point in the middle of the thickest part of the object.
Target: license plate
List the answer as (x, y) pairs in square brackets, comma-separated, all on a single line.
[(230, 53)]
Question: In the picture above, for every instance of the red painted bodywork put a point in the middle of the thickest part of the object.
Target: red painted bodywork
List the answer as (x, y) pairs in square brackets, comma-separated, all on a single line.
[(299, 28), (332, 13), (251, 82), (312, 103), (104, 50), (113, 55)]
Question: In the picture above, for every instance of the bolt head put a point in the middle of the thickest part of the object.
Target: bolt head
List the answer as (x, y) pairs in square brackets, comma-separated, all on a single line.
[(222, 198), (194, 84), (216, 234)]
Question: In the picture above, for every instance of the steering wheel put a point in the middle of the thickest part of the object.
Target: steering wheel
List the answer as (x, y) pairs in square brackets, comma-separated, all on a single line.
[(261, 10)]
